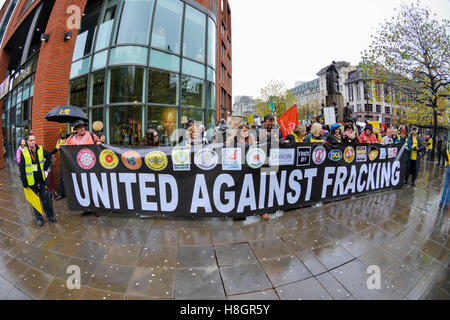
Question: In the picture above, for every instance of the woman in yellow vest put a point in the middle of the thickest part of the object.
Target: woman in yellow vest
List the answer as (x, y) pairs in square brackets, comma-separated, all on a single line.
[(33, 163), (446, 193), (297, 135), (316, 134)]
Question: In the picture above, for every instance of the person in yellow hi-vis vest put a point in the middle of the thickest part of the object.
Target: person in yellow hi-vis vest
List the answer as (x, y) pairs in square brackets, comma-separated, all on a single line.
[(446, 193), (33, 164), (430, 148)]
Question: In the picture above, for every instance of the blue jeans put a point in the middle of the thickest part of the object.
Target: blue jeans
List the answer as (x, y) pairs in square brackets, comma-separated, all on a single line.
[(48, 209), (446, 194)]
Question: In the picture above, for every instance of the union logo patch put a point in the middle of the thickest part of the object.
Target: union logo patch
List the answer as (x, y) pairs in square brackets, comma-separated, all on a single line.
[(132, 160), (86, 159), (156, 160), (108, 159), (349, 154)]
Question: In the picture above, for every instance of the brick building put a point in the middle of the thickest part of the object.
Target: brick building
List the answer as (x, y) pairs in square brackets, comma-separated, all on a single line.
[(173, 65)]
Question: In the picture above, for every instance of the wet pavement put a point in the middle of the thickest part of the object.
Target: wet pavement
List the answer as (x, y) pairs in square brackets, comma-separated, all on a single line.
[(321, 252)]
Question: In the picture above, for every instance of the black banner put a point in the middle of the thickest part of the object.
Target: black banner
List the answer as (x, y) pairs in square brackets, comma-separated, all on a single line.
[(217, 181)]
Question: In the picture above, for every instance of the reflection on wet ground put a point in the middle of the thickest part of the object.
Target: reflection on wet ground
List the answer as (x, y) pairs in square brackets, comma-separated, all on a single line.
[(320, 252)]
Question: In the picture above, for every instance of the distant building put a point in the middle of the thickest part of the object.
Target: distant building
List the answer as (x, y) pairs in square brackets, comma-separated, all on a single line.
[(243, 105)]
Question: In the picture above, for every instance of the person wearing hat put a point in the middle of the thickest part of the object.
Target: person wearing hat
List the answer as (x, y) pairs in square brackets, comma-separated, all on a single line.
[(335, 137), (82, 136), (367, 136), (415, 146), (349, 135), (61, 141), (34, 161)]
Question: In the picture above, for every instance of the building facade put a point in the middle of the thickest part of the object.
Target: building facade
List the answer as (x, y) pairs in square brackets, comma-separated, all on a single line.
[(243, 105), (370, 101), (132, 64)]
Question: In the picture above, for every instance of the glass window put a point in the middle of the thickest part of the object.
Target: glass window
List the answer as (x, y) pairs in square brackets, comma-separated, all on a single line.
[(106, 25), (78, 92), (187, 113), (164, 60), (80, 67), (135, 21), (358, 91), (193, 68), (166, 32), (194, 34), (128, 55), (100, 60), (212, 43), (127, 84), (85, 37), (163, 87), (191, 91), (211, 75), (97, 87), (96, 115), (211, 120), (125, 125), (210, 95), (164, 120)]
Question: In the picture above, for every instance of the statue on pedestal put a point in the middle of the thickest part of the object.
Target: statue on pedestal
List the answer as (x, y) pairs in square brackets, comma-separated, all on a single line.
[(332, 77)]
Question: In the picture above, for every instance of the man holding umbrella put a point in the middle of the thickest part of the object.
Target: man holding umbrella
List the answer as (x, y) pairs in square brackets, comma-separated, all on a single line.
[(32, 167)]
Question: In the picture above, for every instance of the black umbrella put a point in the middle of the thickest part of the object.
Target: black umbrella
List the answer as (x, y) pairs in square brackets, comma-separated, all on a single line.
[(65, 114)]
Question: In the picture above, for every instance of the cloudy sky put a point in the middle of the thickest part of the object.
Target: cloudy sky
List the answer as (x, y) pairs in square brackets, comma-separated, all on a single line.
[(291, 40)]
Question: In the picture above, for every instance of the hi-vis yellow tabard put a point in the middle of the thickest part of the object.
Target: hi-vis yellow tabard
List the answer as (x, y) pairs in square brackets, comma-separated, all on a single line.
[(29, 164)]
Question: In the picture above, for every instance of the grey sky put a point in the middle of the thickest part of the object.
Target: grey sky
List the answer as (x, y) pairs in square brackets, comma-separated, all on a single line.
[(292, 40)]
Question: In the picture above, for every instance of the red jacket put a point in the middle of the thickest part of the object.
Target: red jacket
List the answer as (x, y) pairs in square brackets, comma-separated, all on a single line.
[(364, 138)]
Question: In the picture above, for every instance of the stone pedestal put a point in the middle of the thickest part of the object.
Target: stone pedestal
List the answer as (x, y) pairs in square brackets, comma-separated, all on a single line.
[(339, 100)]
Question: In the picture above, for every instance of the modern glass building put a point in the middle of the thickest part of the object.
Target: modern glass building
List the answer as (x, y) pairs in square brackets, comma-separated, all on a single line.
[(132, 64)]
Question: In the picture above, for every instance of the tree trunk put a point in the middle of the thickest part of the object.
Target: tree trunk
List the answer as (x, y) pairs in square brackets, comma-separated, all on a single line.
[(435, 130)]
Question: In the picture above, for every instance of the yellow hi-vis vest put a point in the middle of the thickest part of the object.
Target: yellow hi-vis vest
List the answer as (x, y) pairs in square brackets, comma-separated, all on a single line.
[(297, 139), (29, 164), (447, 162)]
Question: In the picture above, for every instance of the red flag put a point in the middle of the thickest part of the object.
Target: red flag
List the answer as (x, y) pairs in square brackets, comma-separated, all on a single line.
[(288, 121)]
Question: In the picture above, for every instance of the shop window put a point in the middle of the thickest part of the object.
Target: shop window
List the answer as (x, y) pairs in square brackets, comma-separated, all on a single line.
[(163, 120), (125, 125), (78, 92), (128, 55), (166, 32), (191, 91), (188, 113), (163, 87), (194, 34), (210, 96), (96, 114), (211, 75), (80, 67), (193, 69), (162, 60), (99, 60), (135, 20), (106, 25), (127, 84), (97, 87), (212, 43)]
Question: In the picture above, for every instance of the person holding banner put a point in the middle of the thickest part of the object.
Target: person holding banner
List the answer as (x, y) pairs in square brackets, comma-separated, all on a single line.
[(446, 193), (335, 137), (415, 147), (349, 134), (298, 134), (34, 161), (242, 137), (367, 136), (316, 134)]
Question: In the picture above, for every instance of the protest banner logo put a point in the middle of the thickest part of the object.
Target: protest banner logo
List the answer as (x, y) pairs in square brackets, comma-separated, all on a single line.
[(303, 156), (349, 154), (361, 154), (256, 158), (181, 160), (373, 153), (335, 155), (231, 159), (281, 157), (206, 159), (382, 153), (392, 152), (156, 160), (132, 160), (319, 155), (108, 159), (86, 159)]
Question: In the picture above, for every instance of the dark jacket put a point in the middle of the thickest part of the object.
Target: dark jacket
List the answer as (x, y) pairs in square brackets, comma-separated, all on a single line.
[(37, 175), (332, 140)]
